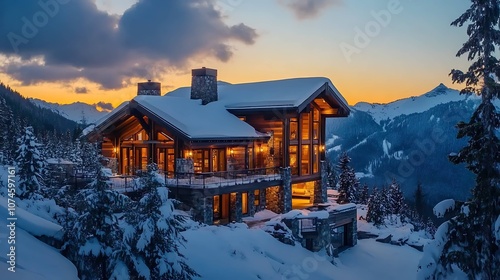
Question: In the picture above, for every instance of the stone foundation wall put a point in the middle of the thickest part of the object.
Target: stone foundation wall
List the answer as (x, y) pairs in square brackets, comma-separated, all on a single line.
[(274, 200), (286, 189), (262, 200), (251, 205)]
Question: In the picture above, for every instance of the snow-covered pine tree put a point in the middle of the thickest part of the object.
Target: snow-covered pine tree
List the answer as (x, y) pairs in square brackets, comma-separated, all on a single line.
[(5, 119), (332, 178), (89, 152), (397, 204), (10, 132), (347, 181), (31, 166), (152, 237), (470, 239), (94, 233), (430, 227), (76, 153), (364, 195), (376, 211), (419, 197)]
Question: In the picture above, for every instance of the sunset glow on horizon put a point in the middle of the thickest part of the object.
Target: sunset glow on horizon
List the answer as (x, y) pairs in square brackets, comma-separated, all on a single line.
[(378, 51)]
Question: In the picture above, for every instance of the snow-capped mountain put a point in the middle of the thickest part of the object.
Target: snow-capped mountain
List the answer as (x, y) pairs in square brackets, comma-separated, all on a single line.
[(408, 140), (415, 104), (76, 111)]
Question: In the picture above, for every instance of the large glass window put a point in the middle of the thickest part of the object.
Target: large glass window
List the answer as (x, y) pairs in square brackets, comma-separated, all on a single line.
[(294, 128), (305, 163), (161, 160), (315, 159), (170, 161), (337, 236), (305, 126), (316, 119), (244, 203), (256, 200), (217, 214), (294, 160)]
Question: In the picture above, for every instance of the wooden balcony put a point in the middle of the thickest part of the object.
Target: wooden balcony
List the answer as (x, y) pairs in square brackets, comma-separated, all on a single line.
[(213, 182)]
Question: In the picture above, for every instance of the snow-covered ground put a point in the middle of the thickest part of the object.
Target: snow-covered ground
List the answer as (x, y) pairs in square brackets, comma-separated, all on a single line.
[(225, 252), (34, 259), (242, 253)]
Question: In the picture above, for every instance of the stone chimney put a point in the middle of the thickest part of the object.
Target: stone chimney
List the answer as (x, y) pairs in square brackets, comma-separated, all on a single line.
[(204, 85), (149, 88)]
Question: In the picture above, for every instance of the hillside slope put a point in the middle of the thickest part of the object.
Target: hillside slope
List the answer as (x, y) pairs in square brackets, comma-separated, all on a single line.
[(408, 140)]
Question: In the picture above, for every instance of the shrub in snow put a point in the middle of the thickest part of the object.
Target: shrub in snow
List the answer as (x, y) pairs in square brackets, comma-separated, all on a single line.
[(152, 237), (280, 231), (93, 234), (31, 166)]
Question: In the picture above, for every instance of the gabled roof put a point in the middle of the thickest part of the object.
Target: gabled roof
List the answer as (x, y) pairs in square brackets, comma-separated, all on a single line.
[(196, 121), (214, 121), (289, 93)]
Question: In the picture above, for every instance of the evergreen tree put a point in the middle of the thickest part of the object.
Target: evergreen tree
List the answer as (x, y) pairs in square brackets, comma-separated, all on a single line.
[(9, 133), (153, 238), (94, 233), (76, 153), (364, 195), (376, 211), (470, 240), (89, 153), (419, 197), (430, 228), (331, 175), (31, 166), (397, 204), (347, 181)]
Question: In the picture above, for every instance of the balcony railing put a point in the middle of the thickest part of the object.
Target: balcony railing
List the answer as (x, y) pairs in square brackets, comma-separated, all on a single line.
[(205, 180), (224, 178)]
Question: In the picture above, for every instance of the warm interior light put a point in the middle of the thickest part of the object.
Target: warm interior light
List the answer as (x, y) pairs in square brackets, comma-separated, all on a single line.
[(322, 148), (231, 151)]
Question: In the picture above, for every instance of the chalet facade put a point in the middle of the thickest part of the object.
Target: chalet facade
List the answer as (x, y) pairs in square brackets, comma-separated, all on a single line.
[(228, 150)]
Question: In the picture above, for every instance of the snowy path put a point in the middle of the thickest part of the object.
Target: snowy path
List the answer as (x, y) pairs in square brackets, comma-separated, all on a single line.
[(374, 260)]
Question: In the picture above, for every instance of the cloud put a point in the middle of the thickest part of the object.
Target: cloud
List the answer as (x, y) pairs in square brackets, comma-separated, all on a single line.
[(81, 90), (103, 106), (306, 9), (77, 40)]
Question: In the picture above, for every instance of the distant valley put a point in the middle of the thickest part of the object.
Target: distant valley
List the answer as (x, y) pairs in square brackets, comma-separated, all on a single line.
[(408, 140)]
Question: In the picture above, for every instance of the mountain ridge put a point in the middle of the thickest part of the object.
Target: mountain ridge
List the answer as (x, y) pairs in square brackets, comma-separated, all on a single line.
[(408, 140)]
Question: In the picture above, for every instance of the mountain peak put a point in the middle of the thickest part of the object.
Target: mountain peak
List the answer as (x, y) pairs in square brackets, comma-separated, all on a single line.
[(439, 90)]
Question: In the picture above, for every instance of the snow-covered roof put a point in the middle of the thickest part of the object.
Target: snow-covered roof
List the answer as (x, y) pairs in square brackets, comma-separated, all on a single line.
[(213, 121), (268, 94), (197, 121)]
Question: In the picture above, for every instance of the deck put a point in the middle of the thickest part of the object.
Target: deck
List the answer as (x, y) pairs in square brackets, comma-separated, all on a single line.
[(212, 181)]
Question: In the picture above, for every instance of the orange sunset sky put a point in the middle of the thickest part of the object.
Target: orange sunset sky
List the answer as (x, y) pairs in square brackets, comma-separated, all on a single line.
[(375, 51)]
